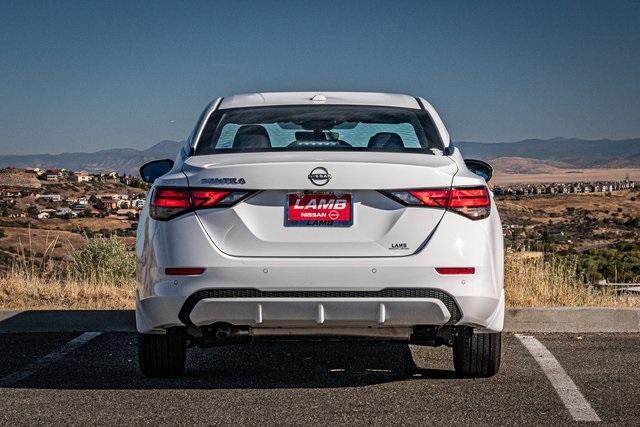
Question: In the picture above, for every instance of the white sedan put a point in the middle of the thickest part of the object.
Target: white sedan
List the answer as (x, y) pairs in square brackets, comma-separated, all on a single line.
[(319, 214)]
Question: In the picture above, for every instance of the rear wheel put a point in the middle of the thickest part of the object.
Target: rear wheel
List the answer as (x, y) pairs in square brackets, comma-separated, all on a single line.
[(476, 355), (162, 355)]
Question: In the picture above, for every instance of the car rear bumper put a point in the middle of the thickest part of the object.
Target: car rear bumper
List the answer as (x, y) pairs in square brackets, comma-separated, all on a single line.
[(320, 313)]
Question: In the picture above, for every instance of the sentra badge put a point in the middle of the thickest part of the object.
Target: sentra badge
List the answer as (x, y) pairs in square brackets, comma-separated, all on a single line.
[(223, 181)]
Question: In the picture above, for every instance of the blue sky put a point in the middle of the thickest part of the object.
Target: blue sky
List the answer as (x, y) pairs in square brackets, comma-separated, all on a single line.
[(89, 75)]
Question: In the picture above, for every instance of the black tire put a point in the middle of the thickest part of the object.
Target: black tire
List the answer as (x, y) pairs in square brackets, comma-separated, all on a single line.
[(476, 355), (162, 355)]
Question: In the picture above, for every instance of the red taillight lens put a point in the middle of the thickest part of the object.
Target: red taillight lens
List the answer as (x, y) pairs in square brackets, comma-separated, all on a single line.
[(207, 198), (171, 198), (472, 202), (183, 271), (432, 197), (168, 202), (455, 270), (469, 198)]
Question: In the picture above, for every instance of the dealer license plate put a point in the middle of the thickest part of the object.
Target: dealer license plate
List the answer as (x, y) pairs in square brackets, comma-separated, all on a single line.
[(318, 210)]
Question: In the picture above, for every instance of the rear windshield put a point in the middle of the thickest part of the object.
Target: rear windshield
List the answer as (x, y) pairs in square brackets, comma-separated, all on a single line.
[(319, 128)]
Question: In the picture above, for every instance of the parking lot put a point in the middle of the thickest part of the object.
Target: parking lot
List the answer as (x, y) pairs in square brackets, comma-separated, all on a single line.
[(94, 380)]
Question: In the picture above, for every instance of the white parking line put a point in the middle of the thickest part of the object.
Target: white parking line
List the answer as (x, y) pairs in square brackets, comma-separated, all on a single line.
[(573, 400), (54, 356)]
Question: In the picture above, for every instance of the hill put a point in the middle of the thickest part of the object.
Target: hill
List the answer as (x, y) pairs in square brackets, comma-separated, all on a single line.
[(528, 156), (603, 153), (18, 178), (124, 160), (516, 165)]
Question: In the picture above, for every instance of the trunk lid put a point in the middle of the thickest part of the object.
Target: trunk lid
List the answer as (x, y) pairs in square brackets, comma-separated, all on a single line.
[(258, 226)]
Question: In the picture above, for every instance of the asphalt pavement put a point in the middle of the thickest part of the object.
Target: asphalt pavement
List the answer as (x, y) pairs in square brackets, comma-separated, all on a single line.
[(84, 378)]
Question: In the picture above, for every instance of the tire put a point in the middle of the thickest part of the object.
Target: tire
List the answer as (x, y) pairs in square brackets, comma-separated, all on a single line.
[(162, 355), (476, 355)]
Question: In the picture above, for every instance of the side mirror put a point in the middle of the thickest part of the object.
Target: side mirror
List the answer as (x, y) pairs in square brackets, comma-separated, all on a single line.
[(480, 168), (151, 171)]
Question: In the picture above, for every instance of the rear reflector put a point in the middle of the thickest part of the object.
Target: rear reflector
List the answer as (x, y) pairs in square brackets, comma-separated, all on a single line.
[(183, 271), (472, 202), (169, 202), (455, 270)]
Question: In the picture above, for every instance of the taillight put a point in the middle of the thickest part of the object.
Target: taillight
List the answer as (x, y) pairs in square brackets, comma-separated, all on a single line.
[(472, 202), (168, 202)]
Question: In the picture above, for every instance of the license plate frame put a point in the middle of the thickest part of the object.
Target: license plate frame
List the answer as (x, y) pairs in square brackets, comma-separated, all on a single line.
[(325, 222)]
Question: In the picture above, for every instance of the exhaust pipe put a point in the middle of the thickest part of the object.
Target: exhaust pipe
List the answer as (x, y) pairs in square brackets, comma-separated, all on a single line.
[(225, 333)]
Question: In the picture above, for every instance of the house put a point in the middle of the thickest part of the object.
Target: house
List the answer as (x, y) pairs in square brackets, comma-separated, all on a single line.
[(45, 213), (125, 213), (107, 196), (109, 175), (110, 204), (66, 212), (49, 197), (137, 203), (82, 176), (54, 175), (83, 201), (124, 204)]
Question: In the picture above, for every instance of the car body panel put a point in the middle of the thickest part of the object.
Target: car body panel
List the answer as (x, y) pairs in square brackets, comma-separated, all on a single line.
[(238, 251)]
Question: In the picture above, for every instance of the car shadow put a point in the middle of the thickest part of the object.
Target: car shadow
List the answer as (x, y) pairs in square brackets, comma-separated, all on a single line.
[(111, 363)]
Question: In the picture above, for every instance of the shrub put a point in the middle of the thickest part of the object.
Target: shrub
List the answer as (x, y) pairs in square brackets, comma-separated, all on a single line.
[(103, 260)]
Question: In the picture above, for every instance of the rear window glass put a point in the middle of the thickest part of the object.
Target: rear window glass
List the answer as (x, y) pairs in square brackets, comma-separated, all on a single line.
[(319, 128)]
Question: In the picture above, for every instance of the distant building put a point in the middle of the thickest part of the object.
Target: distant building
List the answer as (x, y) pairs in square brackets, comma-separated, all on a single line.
[(66, 212), (110, 175), (137, 203), (82, 176), (125, 213), (49, 197)]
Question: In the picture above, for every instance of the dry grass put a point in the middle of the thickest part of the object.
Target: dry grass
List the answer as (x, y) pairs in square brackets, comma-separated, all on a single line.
[(96, 275), (553, 282), (18, 291)]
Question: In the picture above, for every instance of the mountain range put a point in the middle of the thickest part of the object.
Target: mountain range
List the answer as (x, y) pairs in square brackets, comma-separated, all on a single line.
[(602, 153), (531, 154)]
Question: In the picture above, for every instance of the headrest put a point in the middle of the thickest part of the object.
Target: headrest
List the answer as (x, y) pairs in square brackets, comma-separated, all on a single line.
[(251, 136), (385, 140)]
